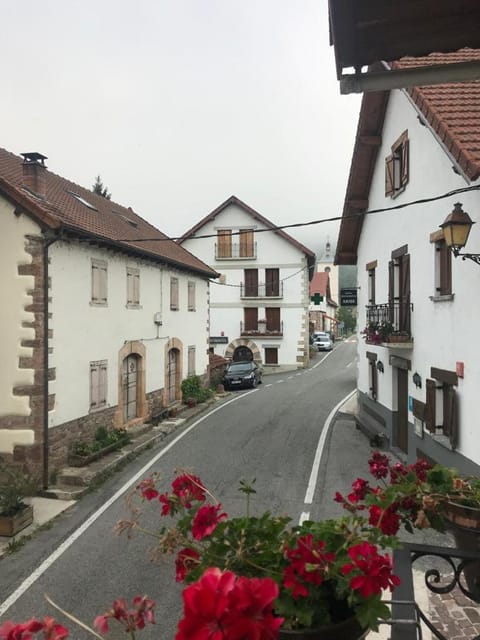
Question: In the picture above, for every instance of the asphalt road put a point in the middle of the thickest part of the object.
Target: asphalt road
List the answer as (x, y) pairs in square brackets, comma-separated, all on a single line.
[(271, 433)]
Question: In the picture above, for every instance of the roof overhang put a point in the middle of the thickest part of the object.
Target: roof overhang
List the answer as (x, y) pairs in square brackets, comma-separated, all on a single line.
[(364, 32)]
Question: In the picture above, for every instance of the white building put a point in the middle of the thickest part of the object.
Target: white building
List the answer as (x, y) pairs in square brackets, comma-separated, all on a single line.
[(412, 147), (105, 315), (259, 307)]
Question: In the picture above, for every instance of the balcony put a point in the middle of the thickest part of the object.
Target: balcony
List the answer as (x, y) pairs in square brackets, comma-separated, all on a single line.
[(262, 290), (261, 330), (236, 251), (389, 325)]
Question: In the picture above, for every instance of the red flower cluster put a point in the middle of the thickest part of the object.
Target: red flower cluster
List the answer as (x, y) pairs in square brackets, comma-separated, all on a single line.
[(308, 564), (186, 560), (387, 520), (132, 619), (206, 519), (25, 630), (375, 570), (185, 489), (221, 606)]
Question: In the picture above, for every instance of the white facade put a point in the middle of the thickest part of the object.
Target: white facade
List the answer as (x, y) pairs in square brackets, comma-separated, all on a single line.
[(443, 328), (229, 298)]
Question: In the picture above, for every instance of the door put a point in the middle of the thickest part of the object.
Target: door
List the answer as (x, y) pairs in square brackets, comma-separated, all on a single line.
[(251, 283), (130, 380), (242, 354), (172, 375), (272, 282), (402, 409)]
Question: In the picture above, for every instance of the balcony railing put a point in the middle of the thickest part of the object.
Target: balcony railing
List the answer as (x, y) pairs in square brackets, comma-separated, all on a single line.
[(236, 251), (262, 290), (262, 330), (389, 322)]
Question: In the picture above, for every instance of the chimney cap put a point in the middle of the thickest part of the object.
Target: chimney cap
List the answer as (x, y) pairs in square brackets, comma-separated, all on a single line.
[(34, 156)]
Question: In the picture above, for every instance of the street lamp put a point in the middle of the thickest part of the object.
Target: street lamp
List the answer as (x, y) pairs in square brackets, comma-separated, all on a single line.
[(456, 229)]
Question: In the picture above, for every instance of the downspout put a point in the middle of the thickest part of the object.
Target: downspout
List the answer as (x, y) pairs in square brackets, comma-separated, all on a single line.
[(48, 241)]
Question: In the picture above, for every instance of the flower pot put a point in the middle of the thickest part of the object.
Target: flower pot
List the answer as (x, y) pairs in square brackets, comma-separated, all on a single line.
[(349, 628), (464, 524), (11, 525)]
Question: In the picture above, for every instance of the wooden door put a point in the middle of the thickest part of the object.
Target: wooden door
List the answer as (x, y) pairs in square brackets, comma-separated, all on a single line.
[(172, 375), (130, 381)]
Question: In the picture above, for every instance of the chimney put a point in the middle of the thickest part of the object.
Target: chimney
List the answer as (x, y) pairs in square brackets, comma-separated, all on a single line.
[(34, 173)]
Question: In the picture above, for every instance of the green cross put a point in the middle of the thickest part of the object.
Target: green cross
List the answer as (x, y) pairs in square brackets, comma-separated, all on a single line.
[(316, 298)]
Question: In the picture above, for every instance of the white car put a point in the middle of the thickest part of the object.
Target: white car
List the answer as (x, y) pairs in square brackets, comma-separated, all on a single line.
[(322, 341)]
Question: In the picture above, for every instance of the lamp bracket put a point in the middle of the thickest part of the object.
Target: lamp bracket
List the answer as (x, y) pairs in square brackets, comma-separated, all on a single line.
[(471, 256)]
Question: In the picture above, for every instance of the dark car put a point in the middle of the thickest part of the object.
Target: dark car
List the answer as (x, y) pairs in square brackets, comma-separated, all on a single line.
[(242, 374)]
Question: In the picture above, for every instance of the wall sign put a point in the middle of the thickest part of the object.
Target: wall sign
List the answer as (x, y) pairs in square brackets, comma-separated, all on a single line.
[(218, 340), (348, 297)]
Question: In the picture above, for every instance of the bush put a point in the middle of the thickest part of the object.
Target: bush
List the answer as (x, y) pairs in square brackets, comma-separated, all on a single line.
[(103, 438), (192, 387)]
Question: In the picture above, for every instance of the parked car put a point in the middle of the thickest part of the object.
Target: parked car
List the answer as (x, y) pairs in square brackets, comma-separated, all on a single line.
[(242, 374), (322, 341)]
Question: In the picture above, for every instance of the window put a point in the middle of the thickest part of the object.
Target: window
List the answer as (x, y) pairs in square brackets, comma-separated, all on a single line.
[(246, 243), (273, 319), (372, 375), (174, 306), (396, 166), (371, 267), (443, 266), (272, 282), (441, 414), (98, 384), (251, 282), (271, 355), (250, 316), (191, 295), (191, 360), (133, 287), (224, 243), (99, 282)]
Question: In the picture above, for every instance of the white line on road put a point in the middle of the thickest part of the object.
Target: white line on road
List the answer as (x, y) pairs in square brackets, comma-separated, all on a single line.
[(47, 563), (318, 454), (305, 515), (279, 381), (269, 385), (290, 377), (324, 358), (298, 374), (349, 364)]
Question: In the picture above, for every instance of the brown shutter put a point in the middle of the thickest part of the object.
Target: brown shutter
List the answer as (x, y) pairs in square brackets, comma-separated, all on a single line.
[(389, 180), (430, 407), (374, 380), (273, 319), (251, 282), (450, 421), (371, 275), (224, 237), (251, 319), (391, 291), (445, 287), (246, 243), (405, 158), (271, 355), (404, 311), (272, 282)]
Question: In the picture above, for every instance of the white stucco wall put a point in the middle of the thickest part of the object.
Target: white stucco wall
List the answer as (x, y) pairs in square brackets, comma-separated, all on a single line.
[(226, 304), (444, 332), (84, 333)]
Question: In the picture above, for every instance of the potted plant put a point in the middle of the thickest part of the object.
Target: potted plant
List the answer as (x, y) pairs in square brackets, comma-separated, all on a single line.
[(15, 514), (326, 576)]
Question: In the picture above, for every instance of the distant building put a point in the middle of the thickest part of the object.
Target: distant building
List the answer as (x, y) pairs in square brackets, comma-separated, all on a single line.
[(322, 307)]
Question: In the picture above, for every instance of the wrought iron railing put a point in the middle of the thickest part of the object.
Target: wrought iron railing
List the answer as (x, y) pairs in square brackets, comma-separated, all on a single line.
[(396, 315), (236, 251), (262, 330), (262, 290)]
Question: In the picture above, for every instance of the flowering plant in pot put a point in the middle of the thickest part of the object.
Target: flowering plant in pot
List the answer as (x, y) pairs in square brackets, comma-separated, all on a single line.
[(318, 573)]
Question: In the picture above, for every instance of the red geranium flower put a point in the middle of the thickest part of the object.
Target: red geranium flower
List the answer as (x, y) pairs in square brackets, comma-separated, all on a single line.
[(375, 570), (186, 559), (147, 489), (206, 520), (379, 465), (359, 490), (387, 520), (308, 564), (21, 631), (188, 488)]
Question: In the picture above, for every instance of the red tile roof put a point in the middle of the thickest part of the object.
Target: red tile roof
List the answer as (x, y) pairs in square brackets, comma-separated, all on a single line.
[(452, 111), (110, 223), (321, 284)]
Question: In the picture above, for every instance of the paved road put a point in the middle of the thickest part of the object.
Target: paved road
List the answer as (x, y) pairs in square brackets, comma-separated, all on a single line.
[(271, 433)]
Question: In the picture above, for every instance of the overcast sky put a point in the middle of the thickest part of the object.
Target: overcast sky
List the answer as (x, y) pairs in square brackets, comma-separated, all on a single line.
[(179, 104)]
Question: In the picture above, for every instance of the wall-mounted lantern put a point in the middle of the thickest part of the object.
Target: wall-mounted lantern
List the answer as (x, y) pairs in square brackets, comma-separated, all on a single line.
[(456, 230), (417, 380), (380, 366)]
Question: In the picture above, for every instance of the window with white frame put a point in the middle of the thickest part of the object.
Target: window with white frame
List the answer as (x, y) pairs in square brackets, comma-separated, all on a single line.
[(98, 384), (191, 360), (174, 296), (133, 287), (99, 282), (191, 295)]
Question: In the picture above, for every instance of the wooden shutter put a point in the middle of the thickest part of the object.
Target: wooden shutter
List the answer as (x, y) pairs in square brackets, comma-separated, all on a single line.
[(445, 266), (251, 318), (389, 180), (224, 237), (246, 243), (272, 282), (174, 294), (251, 282), (133, 286), (271, 355), (450, 418), (191, 296), (404, 311), (374, 379), (391, 291), (99, 282), (273, 319), (430, 405), (371, 280), (404, 151), (94, 379)]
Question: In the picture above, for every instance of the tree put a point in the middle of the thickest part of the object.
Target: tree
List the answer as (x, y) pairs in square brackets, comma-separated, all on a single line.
[(100, 189), (345, 315)]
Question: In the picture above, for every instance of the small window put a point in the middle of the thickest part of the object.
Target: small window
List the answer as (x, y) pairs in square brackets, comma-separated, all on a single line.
[(174, 305), (191, 360), (191, 295), (99, 282), (396, 166), (133, 287), (443, 269), (82, 201), (271, 355), (98, 385)]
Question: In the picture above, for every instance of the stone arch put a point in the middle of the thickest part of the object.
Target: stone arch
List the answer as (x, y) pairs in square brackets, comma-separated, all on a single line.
[(174, 344), (138, 349), (243, 342)]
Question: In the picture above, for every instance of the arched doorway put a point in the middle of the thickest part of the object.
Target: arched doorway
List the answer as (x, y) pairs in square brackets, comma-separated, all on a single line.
[(173, 374), (242, 353), (130, 386), (253, 352)]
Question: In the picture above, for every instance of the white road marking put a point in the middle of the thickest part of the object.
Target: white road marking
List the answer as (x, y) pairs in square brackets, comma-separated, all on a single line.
[(290, 377), (47, 563), (305, 515), (349, 364), (318, 454), (298, 374), (269, 385), (323, 359), (279, 381)]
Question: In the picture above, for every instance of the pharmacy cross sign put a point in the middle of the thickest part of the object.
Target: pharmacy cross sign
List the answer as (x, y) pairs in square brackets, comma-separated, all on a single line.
[(316, 298)]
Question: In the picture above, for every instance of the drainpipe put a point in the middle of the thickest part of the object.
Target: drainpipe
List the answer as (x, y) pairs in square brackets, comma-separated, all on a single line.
[(48, 241)]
